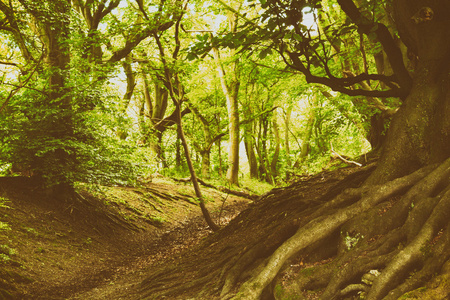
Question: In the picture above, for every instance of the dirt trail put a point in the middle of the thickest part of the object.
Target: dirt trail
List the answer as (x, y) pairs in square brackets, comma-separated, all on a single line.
[(124, 283), (99, 245)]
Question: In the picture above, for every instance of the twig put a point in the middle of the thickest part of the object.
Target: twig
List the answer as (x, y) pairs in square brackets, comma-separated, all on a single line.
[(343, 159)]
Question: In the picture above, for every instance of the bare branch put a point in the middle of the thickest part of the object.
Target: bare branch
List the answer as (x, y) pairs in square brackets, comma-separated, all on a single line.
[(342, 84), (384, 37), (14, 91)]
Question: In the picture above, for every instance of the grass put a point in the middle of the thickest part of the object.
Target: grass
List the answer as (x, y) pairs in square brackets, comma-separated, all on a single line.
[(5, 250), (256, 186)]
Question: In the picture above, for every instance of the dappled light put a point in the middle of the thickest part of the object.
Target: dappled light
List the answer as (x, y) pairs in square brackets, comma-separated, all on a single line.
[(220, 149)]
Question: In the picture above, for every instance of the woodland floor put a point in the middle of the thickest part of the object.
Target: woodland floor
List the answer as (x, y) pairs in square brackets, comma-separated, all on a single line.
[(96, 246), (104, 244)]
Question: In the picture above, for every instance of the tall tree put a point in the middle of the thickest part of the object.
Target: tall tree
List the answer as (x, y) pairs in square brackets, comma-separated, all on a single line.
[(54, 134), (405, 202), (176, 91), (51, 22), (230, 87)]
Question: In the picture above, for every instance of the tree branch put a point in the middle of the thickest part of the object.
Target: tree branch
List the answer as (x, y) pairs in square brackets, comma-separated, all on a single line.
[(15, 31), (384, 37), (170, 120), (342, 84)]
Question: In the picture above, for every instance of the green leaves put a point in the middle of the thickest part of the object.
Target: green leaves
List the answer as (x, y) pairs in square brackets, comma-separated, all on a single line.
[(191, 56), (263, 53)]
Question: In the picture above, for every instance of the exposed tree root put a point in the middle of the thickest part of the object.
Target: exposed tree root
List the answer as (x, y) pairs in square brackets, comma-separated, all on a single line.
[(322, 226), (353, 272), (414, 253), (396, 234), (433, 262)]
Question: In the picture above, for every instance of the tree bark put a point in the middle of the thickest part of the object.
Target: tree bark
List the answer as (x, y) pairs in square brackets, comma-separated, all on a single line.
[(131, 82), (194, 180), (54, 34), (157, 107), (250, 150), (176, 92), (287, 121), (231, 90), (203, 146), (277, 142), (231, 94), (264, 165), (304, 151), (420, 131)]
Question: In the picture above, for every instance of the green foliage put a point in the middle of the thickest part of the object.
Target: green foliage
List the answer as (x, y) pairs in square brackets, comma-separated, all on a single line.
[(34, 136), (3, 202), (5, 251), (4, 225), (350, 241), (32, 231), (308, 271), (88, 133), (157, 220)]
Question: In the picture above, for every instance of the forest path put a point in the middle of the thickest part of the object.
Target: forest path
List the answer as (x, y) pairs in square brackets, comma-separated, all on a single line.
[(124, 282), (99, 245)]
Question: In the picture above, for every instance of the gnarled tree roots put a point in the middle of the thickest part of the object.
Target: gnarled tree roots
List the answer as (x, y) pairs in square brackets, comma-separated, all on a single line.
[(381, 240)]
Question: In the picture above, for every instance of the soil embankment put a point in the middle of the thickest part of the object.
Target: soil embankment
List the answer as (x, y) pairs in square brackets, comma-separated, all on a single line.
[(53, 249)]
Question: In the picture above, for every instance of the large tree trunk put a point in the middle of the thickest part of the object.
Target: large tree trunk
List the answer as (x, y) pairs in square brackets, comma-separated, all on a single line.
[(54, 34), (420, 131), (157, 107), (204, 146)]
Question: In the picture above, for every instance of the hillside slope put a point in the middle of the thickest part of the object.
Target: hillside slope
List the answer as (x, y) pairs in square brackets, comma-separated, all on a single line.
[(52, 249)]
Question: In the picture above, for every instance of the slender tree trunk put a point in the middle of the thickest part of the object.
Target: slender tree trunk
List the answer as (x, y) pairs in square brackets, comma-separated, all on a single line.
[(206, 163), (131, 82), (306, 139), (194, 180), (264, 165), (231, 90), (276, 154), (250, 150), (178, 162), (287, 122), (233, 156), (219, 154), (176, 92), (231, 95)]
